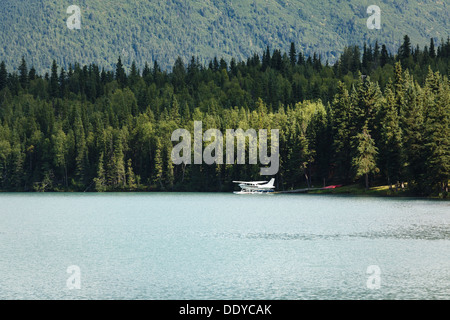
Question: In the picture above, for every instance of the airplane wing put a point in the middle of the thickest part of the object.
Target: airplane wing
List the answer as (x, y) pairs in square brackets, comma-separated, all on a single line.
[(250, 182)]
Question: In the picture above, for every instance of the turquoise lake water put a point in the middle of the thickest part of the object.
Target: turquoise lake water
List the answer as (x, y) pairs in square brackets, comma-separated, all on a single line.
[(222, 246)]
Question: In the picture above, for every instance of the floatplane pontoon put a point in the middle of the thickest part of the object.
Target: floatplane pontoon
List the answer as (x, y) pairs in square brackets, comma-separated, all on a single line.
[(251, 187)]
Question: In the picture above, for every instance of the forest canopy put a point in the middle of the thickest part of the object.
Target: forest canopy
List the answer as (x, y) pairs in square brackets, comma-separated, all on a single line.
[(372, 117)]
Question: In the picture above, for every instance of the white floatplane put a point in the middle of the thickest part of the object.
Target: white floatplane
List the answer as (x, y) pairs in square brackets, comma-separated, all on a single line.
[(251, 187)]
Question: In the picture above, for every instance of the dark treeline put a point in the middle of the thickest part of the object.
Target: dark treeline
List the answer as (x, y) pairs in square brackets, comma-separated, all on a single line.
[(372, 117)]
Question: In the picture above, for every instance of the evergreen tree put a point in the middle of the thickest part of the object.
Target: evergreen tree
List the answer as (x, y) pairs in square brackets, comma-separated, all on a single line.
[(437, 127), (356, 60), (275, 62), (3, 75), (366, 60), (376, 55), (81, 151), (158, 171), (17, 169), (301, 59), (178, 75), (233, 67), (223, 65), (62, 82), (215, 64), (120, 75), (100, 179), (405, 49), (116, 167), (364, 160), (146, 72), (134, 74), (384, 57), (102, 76), (367, 101), (341, 112), (131, 178), (293, 54), (432, 51), (23, 74), (60, 151), (14, 83), (399, 87), (266, 59), (412, 120), (391, 135), (175, 111), (156, 68), (54, 81), (404, 53), (169, 174), (32, 74)]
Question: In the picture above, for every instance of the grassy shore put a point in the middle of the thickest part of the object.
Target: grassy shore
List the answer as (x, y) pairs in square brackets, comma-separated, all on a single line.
[(381, 191), (357, 189)]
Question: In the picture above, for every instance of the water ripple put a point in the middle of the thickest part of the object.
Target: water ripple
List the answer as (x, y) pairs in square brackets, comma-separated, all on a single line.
[(413, 232)]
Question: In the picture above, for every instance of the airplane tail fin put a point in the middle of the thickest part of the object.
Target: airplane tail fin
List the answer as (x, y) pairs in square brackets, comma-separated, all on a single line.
[(270, 183)]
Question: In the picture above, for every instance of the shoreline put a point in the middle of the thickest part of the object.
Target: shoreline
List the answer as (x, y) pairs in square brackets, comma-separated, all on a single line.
[(348, 190)]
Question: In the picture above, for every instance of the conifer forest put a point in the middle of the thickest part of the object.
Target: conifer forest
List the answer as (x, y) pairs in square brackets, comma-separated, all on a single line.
[(374, 117)]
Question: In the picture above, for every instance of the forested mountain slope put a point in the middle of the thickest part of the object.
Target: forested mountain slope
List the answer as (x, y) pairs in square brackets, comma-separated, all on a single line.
[(145, 31)]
